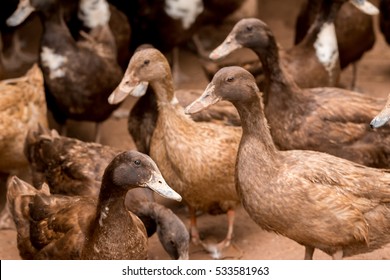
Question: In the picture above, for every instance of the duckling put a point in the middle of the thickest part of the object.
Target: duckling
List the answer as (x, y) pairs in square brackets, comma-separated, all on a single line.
[(311, 119), (383, 117), (69, 67), (71, 227), (206, 180), (73, 167), (354, 30), (316, 199), (384, 19)]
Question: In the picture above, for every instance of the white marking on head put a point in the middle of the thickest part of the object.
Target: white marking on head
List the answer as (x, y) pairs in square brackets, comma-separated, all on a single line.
[(94, 12), (326, 47), (54, 62), (184, 10)]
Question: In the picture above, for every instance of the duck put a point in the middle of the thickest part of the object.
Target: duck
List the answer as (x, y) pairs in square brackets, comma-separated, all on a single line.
[(75, 168), (311, 119), (22, 105), (354, 30), (318, 200), (206, 181), (70, 94), (384, 19), (383, 116), (69, 227), (143, 115)]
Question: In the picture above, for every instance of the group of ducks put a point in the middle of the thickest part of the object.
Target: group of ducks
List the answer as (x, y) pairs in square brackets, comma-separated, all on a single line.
[(299, 155)]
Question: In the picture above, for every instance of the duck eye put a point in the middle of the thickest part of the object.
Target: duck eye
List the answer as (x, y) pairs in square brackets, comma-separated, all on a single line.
[(137, 162), (249, 28), (230, 79), (146, 62)]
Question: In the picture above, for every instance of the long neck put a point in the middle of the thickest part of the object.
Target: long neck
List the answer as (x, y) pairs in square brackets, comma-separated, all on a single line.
[(276, 78), (326, 13), (164, 89), (254, 125), (55, 31)]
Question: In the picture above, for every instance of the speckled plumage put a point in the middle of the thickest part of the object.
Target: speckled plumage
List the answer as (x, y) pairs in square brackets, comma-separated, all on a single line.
[(316, 199), (22, 106), (74, 227), (324, 119)]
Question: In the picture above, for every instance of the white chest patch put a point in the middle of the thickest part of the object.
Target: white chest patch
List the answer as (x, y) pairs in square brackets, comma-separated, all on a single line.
[(55, 62), (184, 10), (326, 47), (103, 215), (94, 12)]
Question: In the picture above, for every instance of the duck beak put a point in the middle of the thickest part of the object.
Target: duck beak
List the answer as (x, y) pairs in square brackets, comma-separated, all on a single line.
[(158, 184), (228, 46), (128, 86), (383, 117), (207, 99), (365, 6), (23, 10)]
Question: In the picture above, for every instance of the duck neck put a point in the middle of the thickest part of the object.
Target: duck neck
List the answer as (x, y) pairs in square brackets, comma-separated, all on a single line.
[(254, 125), (54, 27), (326, 13), (164, 91), (276, 78)]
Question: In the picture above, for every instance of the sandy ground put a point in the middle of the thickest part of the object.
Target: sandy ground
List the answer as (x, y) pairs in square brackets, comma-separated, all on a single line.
[(250, 242)]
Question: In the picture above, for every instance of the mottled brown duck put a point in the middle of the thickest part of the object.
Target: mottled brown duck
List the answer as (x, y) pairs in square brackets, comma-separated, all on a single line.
[(197, 159), (71, 227), (22, 106), (316, 199), (326, 119), (354, 29), (73, 167)]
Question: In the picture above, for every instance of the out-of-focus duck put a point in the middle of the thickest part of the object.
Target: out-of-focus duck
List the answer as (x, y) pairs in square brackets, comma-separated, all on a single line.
[(71, 227), (384, 19), (22, 106), (206, 180), (354, 29), (73, 167), (316, 199), (73, 91), (325, 119)]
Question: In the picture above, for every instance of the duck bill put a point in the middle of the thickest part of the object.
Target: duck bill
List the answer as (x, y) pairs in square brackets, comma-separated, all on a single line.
[(128, 86), (207, 99), (379, 120), (365, 6), (228, 46), (158, 184), (23, 10)]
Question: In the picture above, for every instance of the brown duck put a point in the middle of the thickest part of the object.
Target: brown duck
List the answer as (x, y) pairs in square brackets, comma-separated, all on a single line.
[(79, 227), (326, 119), (197, 159), (319, 200)]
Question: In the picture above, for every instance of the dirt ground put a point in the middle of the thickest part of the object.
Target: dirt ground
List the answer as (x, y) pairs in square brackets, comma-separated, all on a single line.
[(250, 241)]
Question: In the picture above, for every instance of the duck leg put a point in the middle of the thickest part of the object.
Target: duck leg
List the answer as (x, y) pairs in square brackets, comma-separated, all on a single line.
[(194, 233), (338, 255), (98, 132), (354, 76), (309, 251)]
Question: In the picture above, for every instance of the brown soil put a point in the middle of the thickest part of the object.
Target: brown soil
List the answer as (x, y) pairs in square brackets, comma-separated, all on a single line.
[(250, 242)]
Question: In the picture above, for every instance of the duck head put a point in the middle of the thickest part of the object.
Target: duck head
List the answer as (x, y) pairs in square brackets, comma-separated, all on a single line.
[(231, 83), (133, 169), (145, 66), (248, 33), (26, 7)]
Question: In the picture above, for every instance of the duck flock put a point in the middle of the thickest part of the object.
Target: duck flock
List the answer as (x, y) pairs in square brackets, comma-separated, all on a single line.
[(279, 136)]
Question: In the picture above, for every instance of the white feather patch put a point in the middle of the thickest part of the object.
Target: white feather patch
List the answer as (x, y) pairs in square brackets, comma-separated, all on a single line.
[(326, 47), (94, 12), (54, 62), (185, 10)]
